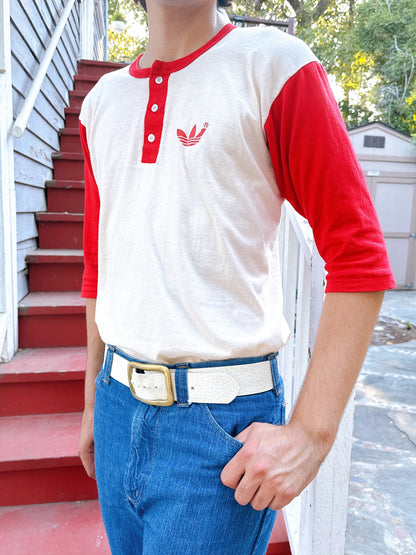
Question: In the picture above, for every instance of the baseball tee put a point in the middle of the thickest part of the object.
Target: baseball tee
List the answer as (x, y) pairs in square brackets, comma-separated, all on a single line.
[(187, 164)]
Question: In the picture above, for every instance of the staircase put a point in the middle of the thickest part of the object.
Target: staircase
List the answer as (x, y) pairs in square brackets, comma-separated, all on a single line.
[(48, 505)]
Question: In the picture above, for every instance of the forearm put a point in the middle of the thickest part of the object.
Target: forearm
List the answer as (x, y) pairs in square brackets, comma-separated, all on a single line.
[(95, 354), (343, 337)]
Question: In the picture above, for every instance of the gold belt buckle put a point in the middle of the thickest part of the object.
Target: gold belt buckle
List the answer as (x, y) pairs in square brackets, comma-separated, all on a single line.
[(153, 368)]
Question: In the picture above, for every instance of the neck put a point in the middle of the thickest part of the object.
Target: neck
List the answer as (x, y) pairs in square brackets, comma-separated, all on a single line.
[(175, 32)]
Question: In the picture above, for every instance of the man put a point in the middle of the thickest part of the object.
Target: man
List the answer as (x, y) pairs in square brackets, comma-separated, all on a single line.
[(189, 153)]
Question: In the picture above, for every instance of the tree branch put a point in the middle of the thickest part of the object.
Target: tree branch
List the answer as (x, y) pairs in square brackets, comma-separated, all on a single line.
[(321, 8), (297, 5)]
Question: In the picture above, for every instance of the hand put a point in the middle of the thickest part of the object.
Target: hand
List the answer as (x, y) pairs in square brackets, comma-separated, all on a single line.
[(86, 442), (274, 465)]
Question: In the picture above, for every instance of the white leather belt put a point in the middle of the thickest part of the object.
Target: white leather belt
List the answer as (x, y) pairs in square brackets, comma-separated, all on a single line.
[(155, 383)]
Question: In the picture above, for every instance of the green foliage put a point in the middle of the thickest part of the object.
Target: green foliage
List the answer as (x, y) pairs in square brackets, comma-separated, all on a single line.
[(388, 34), (125, 46), (270, 9), (369, 46)]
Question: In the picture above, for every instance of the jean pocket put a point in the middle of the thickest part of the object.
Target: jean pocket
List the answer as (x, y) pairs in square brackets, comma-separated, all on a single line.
[(216, 414), (229, 420)]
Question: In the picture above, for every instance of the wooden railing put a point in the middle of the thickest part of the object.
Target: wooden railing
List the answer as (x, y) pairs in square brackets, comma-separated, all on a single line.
[(316, 520)]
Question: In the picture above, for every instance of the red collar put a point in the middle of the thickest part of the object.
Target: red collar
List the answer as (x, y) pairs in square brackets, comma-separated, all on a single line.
[(170, 67)]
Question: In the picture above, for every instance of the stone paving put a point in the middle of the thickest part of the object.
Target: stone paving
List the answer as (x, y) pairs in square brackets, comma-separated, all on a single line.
[(382, 494)]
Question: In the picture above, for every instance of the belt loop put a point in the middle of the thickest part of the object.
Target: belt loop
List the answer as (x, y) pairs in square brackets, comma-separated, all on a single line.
[(108, 362), (181, 385), (277, 378)]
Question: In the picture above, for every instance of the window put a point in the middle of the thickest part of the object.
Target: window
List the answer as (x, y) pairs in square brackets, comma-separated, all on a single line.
[(372, 141)]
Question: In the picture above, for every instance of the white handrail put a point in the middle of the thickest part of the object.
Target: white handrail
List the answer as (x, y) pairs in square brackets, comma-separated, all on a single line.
[(22, 119), (316, 520)]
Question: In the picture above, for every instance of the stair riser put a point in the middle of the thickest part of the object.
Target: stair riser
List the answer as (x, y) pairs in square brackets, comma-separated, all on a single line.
[(55, 276), (46, 485), (68, 169), (19, 399), (70, 143), (60, 235), (52, 330), (66, 200), (71, 120), (281, 548), (75, 100), (96, 71), (84, 85)]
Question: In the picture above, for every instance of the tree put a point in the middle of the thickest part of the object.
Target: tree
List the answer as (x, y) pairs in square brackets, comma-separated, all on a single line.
[(388, 35), (126, 45), (369, 46), (305, 11)]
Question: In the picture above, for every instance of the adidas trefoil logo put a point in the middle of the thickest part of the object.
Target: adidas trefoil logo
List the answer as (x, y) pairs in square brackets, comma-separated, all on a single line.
[(193, 138)]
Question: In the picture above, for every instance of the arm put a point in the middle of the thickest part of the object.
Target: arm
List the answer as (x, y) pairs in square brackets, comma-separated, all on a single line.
[(318, 173), (277, 462), (95, 357), (95, 346)]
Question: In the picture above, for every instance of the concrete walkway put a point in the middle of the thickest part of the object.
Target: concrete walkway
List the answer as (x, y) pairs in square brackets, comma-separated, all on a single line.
[(382, 496)]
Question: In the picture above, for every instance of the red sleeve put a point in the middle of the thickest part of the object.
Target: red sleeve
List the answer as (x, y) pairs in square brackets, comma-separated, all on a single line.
[(91, 217), (318, 172)]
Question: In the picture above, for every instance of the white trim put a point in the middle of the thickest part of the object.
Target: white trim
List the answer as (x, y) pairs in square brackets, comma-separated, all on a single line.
[(8, 240), (87, 29)]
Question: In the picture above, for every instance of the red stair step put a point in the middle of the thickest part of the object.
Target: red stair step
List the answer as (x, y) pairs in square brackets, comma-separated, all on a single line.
[(52, 320), (59, 230), (76, 98), (66, 528), (279, 543), (65, 196), (39, 381), (91, 67), (55, 269), (71, 117), (39, 460), (84, 83), (68, 165), (69, 139)]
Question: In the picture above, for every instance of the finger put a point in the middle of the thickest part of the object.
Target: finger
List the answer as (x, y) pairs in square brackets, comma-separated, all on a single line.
[(243, 435), (234, 470), (91, 469), (276, 504), (263, 498), (246, 490), (89, 465)]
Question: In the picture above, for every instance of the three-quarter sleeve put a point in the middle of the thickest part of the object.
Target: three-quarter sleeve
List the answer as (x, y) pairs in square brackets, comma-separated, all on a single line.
[(318, 172)]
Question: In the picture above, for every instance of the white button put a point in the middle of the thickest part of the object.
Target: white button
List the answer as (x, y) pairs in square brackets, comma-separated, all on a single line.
[(159, 80), (151, 138), (155, 108)]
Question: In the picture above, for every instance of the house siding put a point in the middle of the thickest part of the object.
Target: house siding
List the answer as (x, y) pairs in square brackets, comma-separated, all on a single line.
[(32, 25)]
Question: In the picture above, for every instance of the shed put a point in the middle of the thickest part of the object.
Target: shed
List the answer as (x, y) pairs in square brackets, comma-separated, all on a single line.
[(388, 159)]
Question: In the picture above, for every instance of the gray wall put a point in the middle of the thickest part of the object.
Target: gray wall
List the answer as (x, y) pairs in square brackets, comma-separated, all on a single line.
[(32, 24)]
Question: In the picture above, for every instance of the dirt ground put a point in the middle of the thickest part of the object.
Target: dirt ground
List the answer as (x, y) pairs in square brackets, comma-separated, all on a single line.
[(389, 331)]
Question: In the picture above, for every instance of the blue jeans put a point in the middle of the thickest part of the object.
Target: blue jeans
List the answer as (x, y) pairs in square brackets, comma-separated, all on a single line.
[(158, 471)]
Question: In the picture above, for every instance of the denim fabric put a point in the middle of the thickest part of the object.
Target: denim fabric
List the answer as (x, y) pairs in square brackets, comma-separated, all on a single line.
[(158, 472)]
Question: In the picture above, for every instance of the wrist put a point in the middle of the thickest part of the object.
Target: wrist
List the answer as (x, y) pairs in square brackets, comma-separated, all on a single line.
[(321, 434)]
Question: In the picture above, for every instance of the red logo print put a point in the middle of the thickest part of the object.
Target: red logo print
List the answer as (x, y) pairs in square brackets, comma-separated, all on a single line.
[(193, 138)]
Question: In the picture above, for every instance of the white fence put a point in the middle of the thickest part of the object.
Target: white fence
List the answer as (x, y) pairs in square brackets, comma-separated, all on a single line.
[(316, 520)]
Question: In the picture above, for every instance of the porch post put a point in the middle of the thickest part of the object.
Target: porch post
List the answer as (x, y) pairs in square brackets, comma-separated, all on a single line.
[(87, 29), (8, 241)]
